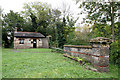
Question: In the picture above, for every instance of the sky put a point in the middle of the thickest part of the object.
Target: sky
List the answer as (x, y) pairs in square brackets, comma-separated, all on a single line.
[(17, 6)]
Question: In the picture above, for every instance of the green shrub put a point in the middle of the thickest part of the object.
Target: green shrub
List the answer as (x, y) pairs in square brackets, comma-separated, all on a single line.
[(114, 52), (58, 50), (54, 44), (12, 45), (79, 59)]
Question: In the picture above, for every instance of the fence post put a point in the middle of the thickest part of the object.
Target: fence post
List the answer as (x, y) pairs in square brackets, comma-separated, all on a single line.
[(100, 52)]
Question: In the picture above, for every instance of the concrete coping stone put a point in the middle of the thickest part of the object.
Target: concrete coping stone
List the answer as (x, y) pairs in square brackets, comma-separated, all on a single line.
[(79, 46), (101, 40)]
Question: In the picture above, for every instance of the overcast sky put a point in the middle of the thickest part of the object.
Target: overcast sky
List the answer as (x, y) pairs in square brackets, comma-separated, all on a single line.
[(17, 5)]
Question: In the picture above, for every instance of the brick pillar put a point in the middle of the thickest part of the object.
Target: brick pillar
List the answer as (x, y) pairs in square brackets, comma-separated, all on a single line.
[(100, 53)]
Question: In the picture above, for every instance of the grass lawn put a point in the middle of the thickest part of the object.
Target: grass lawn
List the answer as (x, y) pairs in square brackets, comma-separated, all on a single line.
[(41, 63)]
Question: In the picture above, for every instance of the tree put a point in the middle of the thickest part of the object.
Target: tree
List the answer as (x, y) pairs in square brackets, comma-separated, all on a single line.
[(69, 25), (39, 14), (101, 12), (0, 12), (68, 19), (0, 26), (60, 34), (80, 36), (55, 13), (9, 22), (34, 19)]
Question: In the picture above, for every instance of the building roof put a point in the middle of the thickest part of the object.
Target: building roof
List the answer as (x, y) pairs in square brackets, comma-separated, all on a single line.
[(28, 34)]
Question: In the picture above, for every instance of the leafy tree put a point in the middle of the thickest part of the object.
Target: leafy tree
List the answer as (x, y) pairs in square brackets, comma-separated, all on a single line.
[(9, 22), (101, 12), (39, 14), (68, 19), (63, 29), (103, 30), (0, 27), (114, 52), (80, 36), (46, 18), (0, 12), (28, 27), (55, 13), (34, 19), (115, 46), (69, 25), (60, 34)]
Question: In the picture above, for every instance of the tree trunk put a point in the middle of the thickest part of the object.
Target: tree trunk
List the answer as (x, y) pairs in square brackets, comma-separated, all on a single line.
[(112, 21)]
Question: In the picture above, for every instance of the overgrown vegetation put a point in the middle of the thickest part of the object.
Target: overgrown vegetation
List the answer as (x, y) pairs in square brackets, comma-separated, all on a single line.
[(80, 36), (114, 53), (57, 50)]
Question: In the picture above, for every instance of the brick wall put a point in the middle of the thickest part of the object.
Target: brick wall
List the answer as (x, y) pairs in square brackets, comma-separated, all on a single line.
[(97, 53)]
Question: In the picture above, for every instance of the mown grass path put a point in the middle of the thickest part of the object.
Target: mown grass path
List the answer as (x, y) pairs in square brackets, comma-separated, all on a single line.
[(41, 63)]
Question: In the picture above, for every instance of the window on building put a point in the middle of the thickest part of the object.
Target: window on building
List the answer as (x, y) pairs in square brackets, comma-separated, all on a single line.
[(21, 41)]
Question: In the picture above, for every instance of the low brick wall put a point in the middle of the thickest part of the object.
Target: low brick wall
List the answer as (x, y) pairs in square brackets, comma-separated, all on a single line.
[(97, 53), (79, 51)]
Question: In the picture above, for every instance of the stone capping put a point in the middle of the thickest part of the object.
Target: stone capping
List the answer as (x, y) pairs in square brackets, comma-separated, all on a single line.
[(79, 46), (100, 40)]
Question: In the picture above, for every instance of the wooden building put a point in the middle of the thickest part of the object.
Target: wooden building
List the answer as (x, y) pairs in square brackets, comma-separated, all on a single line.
[(24, 40)]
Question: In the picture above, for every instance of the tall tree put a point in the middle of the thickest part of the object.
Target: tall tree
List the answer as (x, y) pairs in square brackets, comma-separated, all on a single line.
[(60, 34), (0, 26), (80, 36), (69, 25), (10, 21), (39, 14), (55, 13), (0, 13), (34, 19), (68, 19), (101, 12)]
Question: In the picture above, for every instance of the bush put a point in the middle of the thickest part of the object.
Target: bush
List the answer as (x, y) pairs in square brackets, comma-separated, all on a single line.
[(114, 52), (12, 45), (54, 44), (58, 50)]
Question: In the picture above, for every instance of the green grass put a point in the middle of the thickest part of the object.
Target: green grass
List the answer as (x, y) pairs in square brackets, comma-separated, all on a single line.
[(41, 63)]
